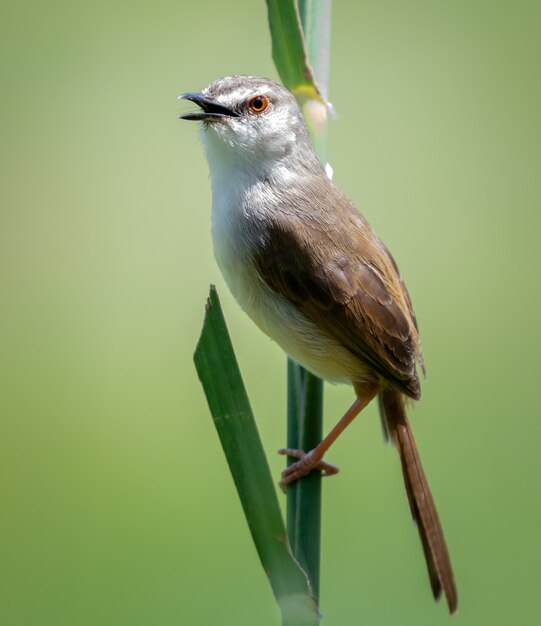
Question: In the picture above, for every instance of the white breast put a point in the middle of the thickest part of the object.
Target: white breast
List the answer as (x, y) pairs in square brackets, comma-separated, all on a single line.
[(236, 230)]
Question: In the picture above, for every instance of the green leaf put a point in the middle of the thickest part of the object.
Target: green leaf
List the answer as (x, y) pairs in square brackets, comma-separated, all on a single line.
[(300, 48), (315, 18), (289, 49), (219, 374)]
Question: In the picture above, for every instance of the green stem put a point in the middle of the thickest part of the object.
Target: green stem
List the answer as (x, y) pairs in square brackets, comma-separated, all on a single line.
[(304, 431), (305, 391)]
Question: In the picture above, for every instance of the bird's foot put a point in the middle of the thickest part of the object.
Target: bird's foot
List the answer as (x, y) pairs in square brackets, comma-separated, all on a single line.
[(306, 463)]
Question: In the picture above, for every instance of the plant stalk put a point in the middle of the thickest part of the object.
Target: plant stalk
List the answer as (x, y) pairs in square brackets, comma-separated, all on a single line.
[(305, 391)]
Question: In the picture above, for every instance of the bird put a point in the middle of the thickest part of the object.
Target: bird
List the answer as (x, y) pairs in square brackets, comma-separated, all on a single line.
[(309, 270)]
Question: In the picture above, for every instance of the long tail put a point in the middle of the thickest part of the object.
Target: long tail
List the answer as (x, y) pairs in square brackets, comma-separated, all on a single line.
[(396, 426)]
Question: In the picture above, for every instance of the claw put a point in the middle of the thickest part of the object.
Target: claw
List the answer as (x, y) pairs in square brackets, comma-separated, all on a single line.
[(306, 463)]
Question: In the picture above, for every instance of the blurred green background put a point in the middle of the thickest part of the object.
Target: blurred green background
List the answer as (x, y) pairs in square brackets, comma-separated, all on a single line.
[(117, 507)]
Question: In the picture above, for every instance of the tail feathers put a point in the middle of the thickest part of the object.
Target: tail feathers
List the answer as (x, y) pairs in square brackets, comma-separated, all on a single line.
[(396, 426)]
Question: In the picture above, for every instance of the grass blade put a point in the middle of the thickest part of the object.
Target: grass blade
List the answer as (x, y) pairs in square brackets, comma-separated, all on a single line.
[(305, 431), (289, 51), (219, 374), (300, 50), (315, 18)]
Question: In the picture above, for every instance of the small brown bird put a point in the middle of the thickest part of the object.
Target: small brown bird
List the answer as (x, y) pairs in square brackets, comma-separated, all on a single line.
[(309, 270)]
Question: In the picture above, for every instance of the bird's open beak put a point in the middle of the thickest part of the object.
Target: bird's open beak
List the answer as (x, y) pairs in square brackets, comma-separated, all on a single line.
[(211, 110)]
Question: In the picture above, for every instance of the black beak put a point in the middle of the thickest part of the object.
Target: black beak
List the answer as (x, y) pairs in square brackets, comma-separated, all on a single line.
[(211, 110)]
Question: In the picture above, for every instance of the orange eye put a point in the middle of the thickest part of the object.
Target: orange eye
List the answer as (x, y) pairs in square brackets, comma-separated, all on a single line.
[(258, 104)]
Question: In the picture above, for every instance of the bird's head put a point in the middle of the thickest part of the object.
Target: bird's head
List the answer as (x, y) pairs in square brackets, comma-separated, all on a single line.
[(248, 117)]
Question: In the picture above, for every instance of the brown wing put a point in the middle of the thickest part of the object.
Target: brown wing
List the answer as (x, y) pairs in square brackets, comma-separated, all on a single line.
[(405, 293), (334, 275)]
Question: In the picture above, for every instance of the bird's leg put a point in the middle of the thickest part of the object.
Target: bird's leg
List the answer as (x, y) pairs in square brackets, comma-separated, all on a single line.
[(314, 458)]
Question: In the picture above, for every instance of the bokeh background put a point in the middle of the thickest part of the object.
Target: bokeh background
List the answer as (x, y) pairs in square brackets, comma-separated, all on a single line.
[(117, 506)]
